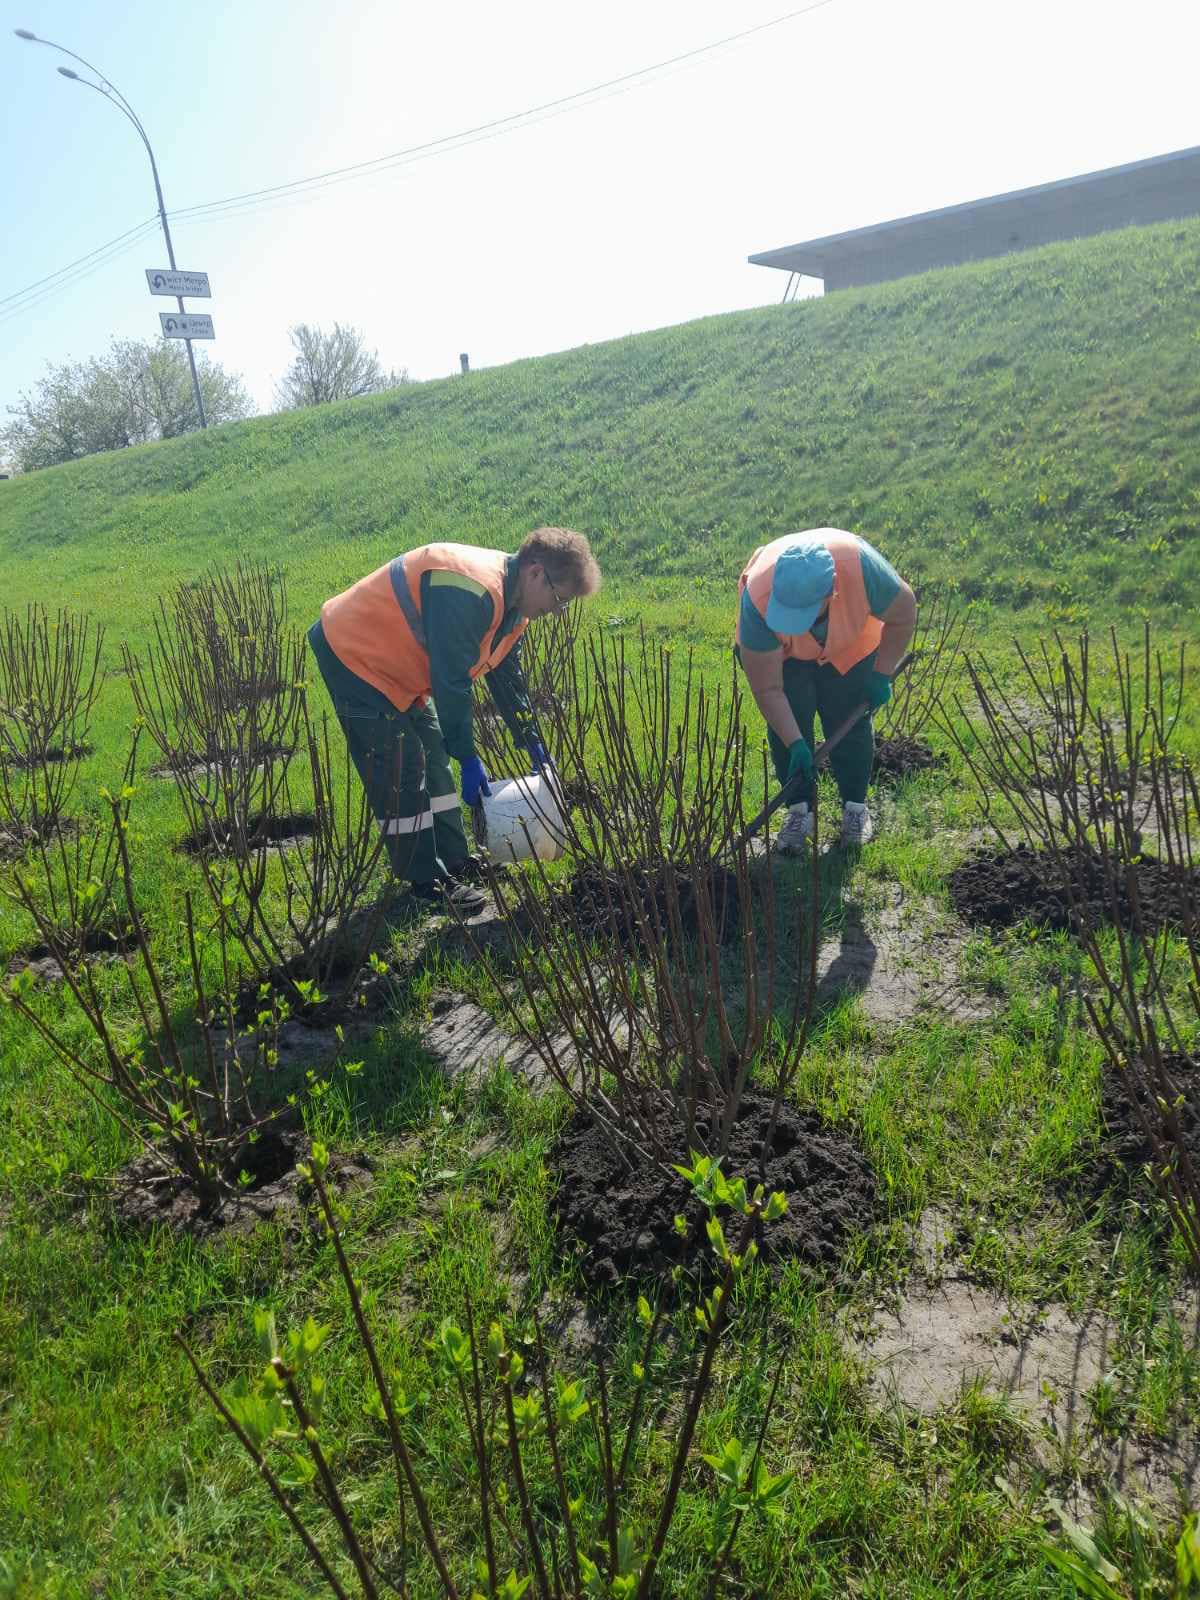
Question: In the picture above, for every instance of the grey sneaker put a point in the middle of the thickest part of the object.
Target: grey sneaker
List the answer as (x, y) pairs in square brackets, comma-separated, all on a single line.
[(857, 827), (792, 839)]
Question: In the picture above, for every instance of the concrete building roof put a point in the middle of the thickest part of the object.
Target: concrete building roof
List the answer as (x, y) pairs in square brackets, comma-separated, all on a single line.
[(1140, 191)]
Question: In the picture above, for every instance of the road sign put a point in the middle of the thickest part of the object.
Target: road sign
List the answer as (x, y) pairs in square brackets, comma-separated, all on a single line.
[(181, 325), (177, 283)]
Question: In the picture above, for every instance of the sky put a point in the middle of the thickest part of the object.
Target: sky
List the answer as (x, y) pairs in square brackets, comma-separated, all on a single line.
[(623, 210)]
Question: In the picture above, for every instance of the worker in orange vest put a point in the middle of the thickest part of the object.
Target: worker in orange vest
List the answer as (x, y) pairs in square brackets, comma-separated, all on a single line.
[(399, 652), (823, 622)]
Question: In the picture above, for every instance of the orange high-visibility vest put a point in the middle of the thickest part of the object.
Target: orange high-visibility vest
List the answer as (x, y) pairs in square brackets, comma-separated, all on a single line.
[(373, 632), (852, 632)]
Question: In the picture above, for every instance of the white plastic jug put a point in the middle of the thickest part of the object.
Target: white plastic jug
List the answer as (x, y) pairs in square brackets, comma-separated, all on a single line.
[(523, 820)]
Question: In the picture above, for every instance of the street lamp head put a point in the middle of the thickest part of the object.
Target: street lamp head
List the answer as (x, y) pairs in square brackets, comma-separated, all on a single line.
[(24, 33), (67, 73)]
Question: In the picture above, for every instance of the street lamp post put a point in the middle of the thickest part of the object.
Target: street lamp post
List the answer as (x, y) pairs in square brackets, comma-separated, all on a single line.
[(114, 96)]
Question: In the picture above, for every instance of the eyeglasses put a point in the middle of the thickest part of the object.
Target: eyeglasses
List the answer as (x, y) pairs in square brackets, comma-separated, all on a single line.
[(559, 603)]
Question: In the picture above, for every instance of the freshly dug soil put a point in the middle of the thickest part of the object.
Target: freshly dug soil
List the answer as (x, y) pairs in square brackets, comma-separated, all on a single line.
[(1126, 1147), (17, 837), (900, 757), (580, 794), (107, 942), (601, 901), (54, 753), (195, 763), (284, 832), (148, 1198), (625, 1221), (999, 888)]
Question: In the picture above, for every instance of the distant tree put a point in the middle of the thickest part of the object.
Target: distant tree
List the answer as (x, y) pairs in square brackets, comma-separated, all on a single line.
[(331, 366), (140, 391)]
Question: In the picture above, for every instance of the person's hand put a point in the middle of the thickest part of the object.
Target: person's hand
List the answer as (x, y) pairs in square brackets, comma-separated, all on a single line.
[(878, 689), (474, 780), (537, 754), (800, 763)]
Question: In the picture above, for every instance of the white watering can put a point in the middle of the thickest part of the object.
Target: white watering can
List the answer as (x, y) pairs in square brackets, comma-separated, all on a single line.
[(523, 819)]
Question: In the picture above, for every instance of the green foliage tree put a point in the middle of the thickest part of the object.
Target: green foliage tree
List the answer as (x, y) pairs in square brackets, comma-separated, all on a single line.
[(139, 391), (332, 366)]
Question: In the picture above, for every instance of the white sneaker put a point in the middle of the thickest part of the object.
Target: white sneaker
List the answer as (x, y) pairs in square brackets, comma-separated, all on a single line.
[(857, 827), (793, 837)]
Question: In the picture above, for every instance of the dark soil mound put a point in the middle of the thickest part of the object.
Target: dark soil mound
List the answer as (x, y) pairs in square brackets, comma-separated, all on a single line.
[(602, 901), (283, 832), (17, 837), (901, 757), (146, 1197), (580, 794), (626, 1221), (52, 753), (116, 939), (194, 764), (999, 888), (1127, 1147)]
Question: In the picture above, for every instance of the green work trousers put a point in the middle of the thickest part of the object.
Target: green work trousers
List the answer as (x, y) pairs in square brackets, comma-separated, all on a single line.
[(402, 761), (815, 691)]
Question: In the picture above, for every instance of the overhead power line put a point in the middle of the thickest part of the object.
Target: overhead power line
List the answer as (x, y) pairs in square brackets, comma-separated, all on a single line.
[(66, 277), (21, 300), (100, 248), (498, 125)]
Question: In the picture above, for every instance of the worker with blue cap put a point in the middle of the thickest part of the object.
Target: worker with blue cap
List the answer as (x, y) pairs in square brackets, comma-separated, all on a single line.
[(823, 623)]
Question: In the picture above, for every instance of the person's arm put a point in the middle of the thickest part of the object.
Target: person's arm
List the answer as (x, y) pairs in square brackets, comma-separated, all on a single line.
[(899, 624), (456, 613), (892, 601), (762, 661), (764, 674), (510, 694)]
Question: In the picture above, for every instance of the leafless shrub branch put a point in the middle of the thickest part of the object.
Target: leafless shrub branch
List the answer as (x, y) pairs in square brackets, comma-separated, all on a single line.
[(945, 627), (193, 1104), (648, 985), (1087, 789), (50, 679)]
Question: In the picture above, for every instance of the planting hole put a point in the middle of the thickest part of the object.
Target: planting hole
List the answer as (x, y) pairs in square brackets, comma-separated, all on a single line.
[(284, 833)]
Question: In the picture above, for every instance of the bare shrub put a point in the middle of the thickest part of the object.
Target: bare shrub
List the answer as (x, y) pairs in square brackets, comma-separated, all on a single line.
[(50, 680), (222, 694), (647, 983), (1034, 748), (1088, 790), (194, 1103), (945, 625), (298, 913)]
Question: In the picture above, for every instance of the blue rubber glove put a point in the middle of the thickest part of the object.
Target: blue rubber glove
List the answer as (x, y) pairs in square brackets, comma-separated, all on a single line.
[(800, 763), (537, 754), (473, 779), (878, 689)]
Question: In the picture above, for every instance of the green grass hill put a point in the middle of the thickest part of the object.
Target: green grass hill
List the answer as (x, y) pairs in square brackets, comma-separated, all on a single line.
[(1029, 425)]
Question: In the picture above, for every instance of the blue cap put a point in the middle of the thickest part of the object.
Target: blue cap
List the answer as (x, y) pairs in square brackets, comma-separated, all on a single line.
[(802, 583)]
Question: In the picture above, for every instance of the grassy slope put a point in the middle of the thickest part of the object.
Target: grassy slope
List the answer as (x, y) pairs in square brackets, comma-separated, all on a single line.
[(1030, 425), (935, 414)]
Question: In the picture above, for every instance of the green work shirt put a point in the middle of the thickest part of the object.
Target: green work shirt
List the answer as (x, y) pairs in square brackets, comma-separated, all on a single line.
[(880, 580), (456, 613)]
